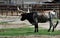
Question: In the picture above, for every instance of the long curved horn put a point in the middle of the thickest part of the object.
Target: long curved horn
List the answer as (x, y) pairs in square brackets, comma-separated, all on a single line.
[(21, 10)]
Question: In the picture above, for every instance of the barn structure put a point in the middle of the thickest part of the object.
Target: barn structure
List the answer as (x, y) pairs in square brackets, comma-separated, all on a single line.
[(9, 7)]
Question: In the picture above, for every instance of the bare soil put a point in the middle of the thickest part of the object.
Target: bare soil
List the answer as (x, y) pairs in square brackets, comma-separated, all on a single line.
[(32, 36)]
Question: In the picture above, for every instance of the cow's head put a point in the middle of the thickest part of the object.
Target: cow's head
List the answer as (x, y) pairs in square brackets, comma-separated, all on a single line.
[(23, 16)]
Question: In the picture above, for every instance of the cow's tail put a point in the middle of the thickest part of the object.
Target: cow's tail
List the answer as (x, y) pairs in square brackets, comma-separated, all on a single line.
[(56, 24)]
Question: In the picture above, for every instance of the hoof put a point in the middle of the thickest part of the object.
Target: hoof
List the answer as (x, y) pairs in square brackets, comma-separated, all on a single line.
[(35, 31), (48, 30), (52, 31)]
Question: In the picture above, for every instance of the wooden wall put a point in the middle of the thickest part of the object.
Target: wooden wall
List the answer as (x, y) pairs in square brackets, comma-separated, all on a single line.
[(9, 13)]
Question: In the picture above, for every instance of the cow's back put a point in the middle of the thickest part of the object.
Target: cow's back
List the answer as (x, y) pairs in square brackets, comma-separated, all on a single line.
[(42, 19)]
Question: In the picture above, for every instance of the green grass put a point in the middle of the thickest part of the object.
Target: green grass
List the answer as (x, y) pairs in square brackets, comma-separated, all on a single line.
[(26, 31)]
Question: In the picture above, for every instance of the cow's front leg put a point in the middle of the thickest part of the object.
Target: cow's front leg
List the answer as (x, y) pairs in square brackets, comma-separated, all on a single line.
[(36, 27), (35, 18)]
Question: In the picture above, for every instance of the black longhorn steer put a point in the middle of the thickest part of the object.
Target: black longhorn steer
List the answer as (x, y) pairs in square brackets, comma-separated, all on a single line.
[(34, 19)]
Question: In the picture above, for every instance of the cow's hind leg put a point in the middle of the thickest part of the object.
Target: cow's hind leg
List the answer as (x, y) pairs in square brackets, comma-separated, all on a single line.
[(51, 24), (53, 29), (50, 21), (55, 26), (49, 28)]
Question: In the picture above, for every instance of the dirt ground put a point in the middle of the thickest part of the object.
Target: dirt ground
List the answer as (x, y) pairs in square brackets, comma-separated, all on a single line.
[(32, 36)]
